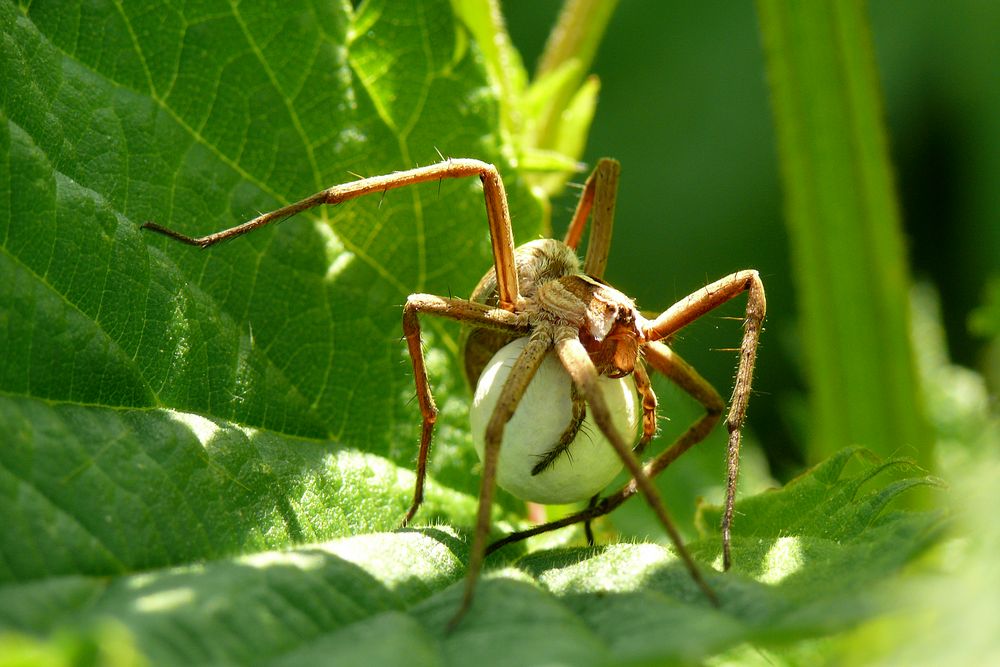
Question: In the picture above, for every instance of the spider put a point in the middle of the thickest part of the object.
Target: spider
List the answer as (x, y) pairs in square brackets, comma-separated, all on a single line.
[(539, 292)]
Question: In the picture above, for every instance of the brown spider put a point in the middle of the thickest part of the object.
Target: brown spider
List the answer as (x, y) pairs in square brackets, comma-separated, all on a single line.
[(539, 291)]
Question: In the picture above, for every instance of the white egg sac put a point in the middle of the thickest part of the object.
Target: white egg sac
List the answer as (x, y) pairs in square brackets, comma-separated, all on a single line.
[(543, 415)]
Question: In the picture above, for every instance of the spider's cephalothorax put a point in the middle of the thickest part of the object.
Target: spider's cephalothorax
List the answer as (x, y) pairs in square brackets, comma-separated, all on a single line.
[(555, 291), (541, 301), (537, 262), (607, 322)]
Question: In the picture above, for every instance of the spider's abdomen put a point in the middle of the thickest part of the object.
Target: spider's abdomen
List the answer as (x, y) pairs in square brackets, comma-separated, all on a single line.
[(538, 262)]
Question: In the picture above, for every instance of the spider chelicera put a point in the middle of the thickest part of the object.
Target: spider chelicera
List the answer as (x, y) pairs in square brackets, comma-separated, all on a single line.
[(540, 292)]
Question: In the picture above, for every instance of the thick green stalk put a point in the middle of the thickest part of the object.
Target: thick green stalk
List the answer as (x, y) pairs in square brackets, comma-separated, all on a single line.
[(845, 228)]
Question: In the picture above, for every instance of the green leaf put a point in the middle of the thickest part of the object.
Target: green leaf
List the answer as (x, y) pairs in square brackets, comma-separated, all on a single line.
[(206, 121), (162, 405), (945, 613), (388, 596), (843, 221), (204, 453)]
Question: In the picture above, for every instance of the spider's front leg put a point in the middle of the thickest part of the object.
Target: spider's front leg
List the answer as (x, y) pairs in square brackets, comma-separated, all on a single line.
[(596, 507), (691, 308), (467, 312), (581, 369), (520, 376), (497, 213)]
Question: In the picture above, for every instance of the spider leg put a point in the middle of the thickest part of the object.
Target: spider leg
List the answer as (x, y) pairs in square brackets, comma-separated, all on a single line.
[(581, 369), (682, 374), (455, 309), (513, 389), (645, 389), (599, 194), (495, 195), (579, 413), (670, 364), (588, 530), (691, 308)]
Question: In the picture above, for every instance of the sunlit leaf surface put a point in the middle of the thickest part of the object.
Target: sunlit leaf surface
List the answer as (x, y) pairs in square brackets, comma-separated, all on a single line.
[(205, 453)]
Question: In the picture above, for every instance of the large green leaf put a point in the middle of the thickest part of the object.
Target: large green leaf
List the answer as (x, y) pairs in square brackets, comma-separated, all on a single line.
[(199, 121), (387, 597), (203, 452), (161, 404)]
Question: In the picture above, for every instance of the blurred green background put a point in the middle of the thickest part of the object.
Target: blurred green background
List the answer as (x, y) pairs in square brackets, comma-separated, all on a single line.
[(684, 106)]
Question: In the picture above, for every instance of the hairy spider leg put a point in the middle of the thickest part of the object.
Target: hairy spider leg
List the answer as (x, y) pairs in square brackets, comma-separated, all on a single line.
[(454, 309), (498, 216), (578, 364), (521, 374), (599, 195), (691, 308)]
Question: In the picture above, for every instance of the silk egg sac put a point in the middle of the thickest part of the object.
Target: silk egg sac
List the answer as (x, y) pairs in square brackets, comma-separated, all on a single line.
[(543, 415)]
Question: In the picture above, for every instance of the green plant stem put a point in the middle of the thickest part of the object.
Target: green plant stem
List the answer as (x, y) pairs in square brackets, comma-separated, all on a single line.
[(844, 225)]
